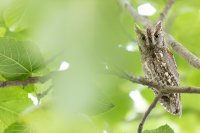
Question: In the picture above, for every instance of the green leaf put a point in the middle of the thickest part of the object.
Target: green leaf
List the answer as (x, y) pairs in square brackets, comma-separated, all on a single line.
[(15, 16), (18, 59), (162, 129), (12, 102), (17, 128)]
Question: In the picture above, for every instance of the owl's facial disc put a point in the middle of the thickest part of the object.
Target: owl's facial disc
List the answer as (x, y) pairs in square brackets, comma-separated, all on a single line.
[(151, 37)]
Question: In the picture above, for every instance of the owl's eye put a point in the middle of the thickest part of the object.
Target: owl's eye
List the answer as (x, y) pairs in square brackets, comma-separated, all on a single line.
[(143, 38), (156, 35)]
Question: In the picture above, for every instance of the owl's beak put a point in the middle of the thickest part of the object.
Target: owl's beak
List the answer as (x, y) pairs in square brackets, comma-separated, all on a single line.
[(150, 37)]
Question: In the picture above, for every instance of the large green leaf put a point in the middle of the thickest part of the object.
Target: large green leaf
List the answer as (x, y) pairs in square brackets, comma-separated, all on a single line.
[(12, 102), (18, 59), (162, 129)]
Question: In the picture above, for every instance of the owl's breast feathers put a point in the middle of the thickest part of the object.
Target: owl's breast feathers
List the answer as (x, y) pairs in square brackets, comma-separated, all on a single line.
[(161, 67)]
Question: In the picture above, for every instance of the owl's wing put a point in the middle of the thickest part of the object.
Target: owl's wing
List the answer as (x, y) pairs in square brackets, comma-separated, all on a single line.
[(172, 67)]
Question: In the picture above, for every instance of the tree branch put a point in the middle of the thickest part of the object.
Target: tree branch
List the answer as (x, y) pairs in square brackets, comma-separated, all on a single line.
[(160, 88), (186, 89), (140, 127), (185, 53), (30, 80), (164, 13), (134, 14)]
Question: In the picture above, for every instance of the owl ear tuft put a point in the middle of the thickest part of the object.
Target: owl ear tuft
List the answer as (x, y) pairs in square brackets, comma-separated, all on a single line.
[(158, 27), (138, 30)]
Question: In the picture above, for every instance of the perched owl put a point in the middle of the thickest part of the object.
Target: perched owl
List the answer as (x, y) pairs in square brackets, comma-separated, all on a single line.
[(159, 65)]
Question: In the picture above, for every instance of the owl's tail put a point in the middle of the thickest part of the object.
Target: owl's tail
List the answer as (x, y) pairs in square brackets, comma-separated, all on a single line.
[(172, 103)]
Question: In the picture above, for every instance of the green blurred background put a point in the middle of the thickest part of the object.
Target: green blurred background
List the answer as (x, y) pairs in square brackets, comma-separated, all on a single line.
[(95, 35)]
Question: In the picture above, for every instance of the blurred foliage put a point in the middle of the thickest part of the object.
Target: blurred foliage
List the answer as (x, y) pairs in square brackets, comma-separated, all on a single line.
[(162, 129), (12, 101), (92, 36)]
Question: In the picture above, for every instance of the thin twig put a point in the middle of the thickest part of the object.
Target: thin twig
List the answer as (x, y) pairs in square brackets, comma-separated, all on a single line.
[(43, 94), (164, 13), (140, 127)]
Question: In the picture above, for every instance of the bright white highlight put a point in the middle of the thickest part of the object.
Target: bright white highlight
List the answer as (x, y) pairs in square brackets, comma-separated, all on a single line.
[(140, 104), (146, 9), (64, 66), (131, 47), (33, 98), (105, 131)]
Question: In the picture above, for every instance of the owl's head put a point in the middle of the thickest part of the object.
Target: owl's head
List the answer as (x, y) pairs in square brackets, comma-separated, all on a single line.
[(150, 38)]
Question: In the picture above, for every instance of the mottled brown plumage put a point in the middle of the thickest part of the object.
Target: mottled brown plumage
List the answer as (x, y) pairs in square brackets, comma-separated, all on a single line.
[(159, 65)]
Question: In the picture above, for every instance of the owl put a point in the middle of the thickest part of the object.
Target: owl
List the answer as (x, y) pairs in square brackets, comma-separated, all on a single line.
[(159, 64)]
